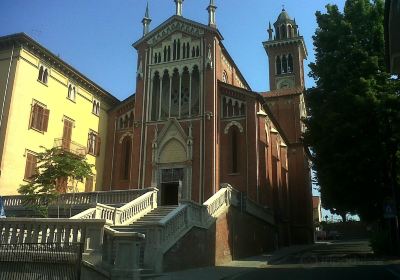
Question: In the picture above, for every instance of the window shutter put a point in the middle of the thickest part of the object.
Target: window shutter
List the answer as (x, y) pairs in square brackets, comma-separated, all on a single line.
[(89, 184), (45, 120), (98, 145), (30, 168), (34, 116), (88, 142)]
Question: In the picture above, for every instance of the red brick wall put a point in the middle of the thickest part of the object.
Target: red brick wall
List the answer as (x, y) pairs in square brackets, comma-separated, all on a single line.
[(225, 240)]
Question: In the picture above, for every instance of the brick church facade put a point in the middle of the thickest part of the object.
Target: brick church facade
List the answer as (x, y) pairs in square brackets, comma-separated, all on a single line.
[(194, 123)]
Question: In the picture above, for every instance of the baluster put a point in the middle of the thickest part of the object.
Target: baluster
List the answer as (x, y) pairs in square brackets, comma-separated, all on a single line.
[(75, 233), (51, 233), (21, 234), (58, 233), (35, 234), (67, 234), (44, 233), (14, 229), (6, 234)]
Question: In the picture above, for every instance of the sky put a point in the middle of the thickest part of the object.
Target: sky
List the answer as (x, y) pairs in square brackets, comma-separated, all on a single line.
[(96, 36)]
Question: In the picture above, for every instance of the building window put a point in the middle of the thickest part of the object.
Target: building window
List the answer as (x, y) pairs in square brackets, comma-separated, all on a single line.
[(71, 92), (96, 107), (39, 117), (225, 77), (126, 158), (31, 166), (290, 63), (43, 74), (278, 65), (94, 143), (89, 184)]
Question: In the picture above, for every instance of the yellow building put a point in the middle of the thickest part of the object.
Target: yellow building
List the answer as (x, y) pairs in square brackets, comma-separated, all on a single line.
[(46, 102)]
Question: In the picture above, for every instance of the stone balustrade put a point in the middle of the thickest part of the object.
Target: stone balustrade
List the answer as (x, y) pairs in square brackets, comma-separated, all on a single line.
[(123, 215), (59, 231), (91, 198)]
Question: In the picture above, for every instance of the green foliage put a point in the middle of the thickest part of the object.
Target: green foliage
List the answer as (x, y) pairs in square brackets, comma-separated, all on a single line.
[(353, 128), (53, 165)]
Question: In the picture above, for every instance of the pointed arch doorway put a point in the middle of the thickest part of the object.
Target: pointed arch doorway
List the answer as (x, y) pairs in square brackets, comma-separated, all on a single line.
[(171, 185)]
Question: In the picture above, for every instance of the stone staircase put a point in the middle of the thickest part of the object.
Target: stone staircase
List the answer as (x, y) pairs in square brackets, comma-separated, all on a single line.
[(155, 216)]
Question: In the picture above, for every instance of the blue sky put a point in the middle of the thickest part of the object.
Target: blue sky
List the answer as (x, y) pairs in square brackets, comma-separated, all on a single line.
[(95, 36)]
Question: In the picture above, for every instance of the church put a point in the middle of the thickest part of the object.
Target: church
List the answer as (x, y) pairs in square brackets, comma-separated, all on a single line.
[(194, 124), (193, 159)]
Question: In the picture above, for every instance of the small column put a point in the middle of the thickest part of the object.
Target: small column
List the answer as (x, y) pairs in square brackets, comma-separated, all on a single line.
[(159, 104), (190, 94), (180, 93), (179, 4), (211, 14), (170, 95)]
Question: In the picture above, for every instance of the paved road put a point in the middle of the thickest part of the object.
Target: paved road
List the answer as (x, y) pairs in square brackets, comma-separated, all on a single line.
[(338, 260)]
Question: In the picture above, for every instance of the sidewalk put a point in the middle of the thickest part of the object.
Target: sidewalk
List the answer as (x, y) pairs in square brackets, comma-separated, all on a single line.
[(235, 267)]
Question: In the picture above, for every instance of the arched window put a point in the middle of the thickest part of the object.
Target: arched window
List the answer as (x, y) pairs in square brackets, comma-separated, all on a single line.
[(225, 77), (155, 97), (174, 51), (169, 53), (175, 94), (284, 64), (290, 63), (184, 51), (236, 109), (234, 149), (278, 34), (45, 75), (195, 108), (155, 58), (193, 51), (278, 65), (185, 92), (178, 50), (126, 158), (290, 31), (131, 119), (165, 95), (230, 108), (165, 53), (242, 110), (224, 107), (159, 57), (283, 31), (121, 123), (40, 77), (126, 121), (70, 92), (187, 50), (197, 51)]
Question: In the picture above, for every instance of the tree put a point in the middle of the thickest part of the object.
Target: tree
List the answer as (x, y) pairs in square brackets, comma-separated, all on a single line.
[(353, 128), (53, 166)]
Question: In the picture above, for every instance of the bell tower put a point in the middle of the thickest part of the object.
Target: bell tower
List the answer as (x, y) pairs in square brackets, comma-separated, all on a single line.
[(286, 51)]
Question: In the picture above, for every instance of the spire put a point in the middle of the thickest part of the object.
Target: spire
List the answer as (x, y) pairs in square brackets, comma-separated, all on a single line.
[(146, 21), (270, 30), (211, 14), (179, 4)]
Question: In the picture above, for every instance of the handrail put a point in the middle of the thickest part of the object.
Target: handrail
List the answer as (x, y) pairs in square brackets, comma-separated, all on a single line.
[(84, 198), (128, 213)]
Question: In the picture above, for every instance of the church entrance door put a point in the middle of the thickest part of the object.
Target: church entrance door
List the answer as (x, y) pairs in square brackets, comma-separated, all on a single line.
[(171, 186)]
